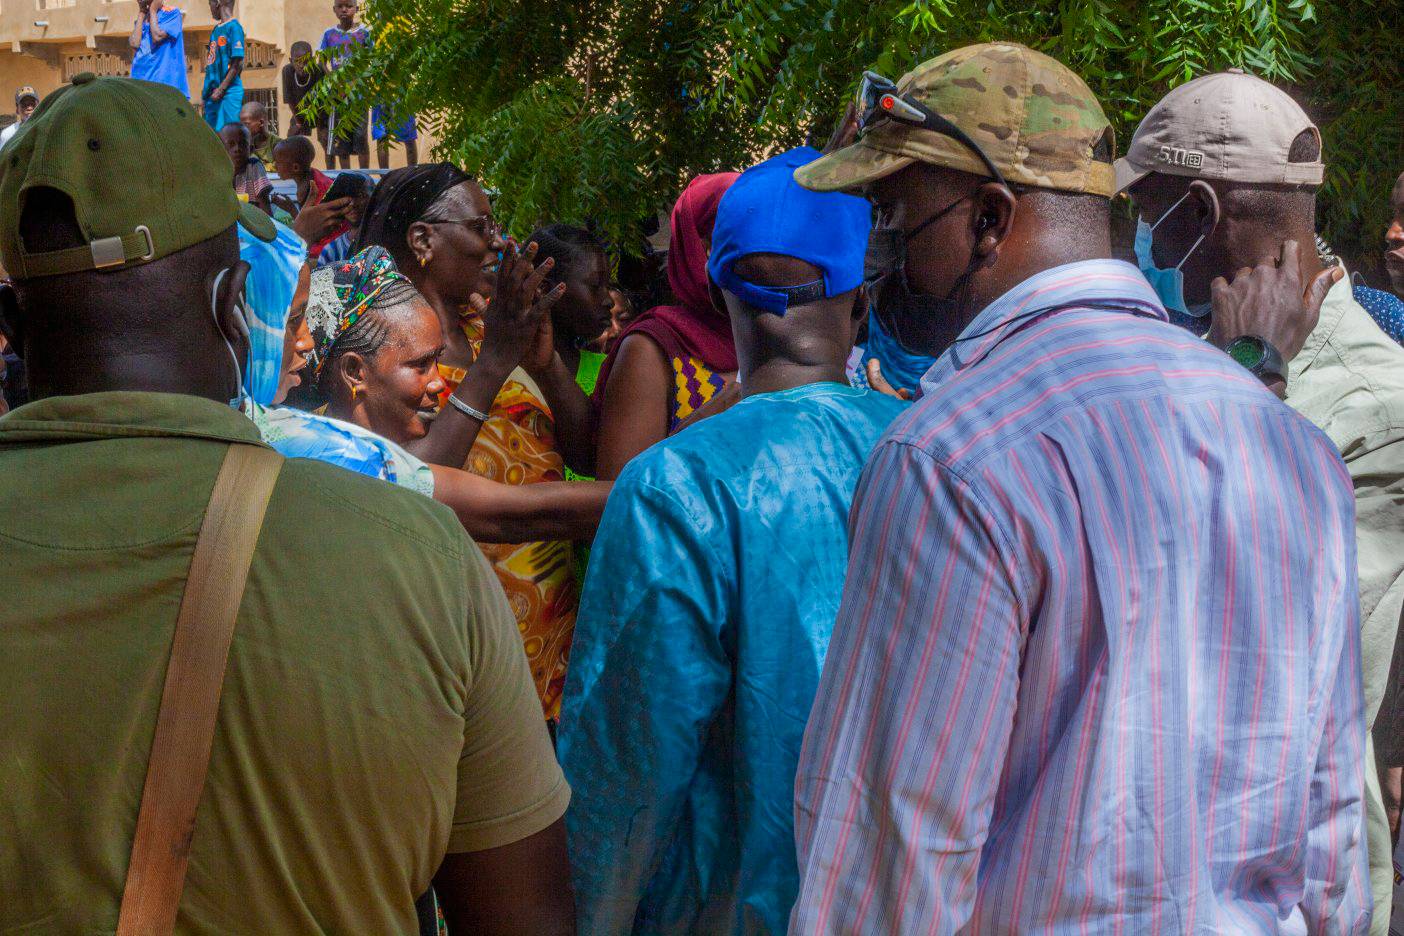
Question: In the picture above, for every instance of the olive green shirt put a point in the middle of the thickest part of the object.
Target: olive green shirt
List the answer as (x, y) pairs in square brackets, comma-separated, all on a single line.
[(377, 711), (1348, 379), (265, 152)]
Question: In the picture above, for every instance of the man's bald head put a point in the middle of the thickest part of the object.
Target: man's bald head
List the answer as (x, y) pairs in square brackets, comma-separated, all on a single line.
[(142, 327)]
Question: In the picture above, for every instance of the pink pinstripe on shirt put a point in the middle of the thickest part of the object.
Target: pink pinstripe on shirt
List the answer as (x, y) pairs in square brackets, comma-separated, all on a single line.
[(1098, 494)]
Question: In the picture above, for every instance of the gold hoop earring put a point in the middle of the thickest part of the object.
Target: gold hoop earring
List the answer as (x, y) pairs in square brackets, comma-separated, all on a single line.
[(423, 261), (354, 391)]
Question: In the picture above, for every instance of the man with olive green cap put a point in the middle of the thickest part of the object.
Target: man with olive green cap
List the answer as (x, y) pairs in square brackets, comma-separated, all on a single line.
[(377, 727), (1087, 676)]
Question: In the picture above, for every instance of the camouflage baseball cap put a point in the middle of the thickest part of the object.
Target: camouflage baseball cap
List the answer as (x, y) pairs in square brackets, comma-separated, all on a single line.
[(1035, 120)]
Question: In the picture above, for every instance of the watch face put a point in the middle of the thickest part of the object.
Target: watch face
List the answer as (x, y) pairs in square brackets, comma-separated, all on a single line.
[(1247, 351)]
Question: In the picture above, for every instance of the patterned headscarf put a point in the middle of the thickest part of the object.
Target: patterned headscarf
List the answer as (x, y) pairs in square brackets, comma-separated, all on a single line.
[(341, 294)]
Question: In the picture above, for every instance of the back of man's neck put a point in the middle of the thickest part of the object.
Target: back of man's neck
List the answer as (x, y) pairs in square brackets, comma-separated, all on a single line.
[(779, 374), (1047, 260), (78, 383)]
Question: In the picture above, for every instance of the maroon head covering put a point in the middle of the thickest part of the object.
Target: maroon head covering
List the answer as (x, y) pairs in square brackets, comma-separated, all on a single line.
[(693, 328)]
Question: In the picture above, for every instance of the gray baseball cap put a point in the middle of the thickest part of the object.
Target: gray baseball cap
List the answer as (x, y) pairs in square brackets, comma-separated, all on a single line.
[(1230, 126)]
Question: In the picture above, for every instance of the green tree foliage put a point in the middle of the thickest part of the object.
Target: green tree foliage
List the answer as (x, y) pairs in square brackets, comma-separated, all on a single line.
[(600, 111)]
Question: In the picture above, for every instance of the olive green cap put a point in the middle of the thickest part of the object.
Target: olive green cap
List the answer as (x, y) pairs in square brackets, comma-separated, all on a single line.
[(1035, 120), (146, 175)]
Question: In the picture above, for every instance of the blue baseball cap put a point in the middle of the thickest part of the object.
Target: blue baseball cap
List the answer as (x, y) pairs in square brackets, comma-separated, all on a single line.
[(767, 212)]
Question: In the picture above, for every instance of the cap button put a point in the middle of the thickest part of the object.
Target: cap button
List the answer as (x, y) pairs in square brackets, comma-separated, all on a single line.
[(84, 78)]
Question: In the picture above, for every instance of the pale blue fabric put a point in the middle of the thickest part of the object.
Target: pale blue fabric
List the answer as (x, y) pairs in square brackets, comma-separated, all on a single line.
[(268, 294), (338, 251), (900, 367), (296, 434), (713, 586)]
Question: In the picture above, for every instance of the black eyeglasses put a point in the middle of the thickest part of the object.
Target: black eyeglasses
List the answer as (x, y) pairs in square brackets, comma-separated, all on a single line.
[(881, 101), (485, 225)]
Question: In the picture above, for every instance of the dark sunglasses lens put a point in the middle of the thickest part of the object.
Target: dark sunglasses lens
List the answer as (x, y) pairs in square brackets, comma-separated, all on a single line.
[(870, 92), (867, 94)]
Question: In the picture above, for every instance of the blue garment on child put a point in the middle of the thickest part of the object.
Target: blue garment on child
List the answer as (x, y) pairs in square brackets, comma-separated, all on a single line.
[(226, 45), (163, 62)]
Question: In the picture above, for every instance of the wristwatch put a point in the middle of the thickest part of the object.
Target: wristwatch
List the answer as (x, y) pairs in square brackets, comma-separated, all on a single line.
[(1259, 357)]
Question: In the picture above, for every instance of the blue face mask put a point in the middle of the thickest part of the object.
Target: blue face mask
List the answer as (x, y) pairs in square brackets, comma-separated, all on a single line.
[(1169, 284)]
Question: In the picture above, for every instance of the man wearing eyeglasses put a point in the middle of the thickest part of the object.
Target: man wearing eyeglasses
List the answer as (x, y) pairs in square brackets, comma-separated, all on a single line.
[(1088, 673)]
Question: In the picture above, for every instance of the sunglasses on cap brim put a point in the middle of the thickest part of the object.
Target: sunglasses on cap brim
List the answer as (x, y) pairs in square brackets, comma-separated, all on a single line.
[(880, 100)]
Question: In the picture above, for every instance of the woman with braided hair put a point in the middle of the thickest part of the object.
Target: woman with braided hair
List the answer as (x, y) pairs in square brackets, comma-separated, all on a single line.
[(437, 224), (374, 359), (358, 343)]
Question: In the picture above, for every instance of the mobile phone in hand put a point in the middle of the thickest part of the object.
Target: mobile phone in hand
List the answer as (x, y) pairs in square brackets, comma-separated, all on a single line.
[(347, 185)]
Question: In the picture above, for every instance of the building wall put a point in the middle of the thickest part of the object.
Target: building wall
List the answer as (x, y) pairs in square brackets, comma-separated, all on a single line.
[(36, 55)]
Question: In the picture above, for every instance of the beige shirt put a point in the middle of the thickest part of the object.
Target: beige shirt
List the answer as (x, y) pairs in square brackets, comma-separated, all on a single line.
[(1349, 381)]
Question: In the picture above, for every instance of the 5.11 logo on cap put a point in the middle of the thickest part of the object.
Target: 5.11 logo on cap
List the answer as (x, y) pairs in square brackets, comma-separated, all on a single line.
[(1174, 156)]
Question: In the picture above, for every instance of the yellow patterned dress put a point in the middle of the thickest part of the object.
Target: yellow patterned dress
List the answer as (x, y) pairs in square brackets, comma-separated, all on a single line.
[(517, 445), (694, 386)]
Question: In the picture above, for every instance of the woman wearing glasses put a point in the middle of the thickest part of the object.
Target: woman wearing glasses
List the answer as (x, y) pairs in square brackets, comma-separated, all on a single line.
[(437, 224)]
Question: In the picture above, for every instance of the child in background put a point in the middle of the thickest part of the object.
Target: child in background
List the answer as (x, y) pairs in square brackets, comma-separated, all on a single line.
[(347, 130), (250, 181), (300, 76), (384, 130), (158, 50), (223, 95), (293, 159)]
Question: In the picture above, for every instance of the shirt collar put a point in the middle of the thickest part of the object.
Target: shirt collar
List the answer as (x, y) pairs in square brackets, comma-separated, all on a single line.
[(1084, 283), (1338, 299), (125, 414)]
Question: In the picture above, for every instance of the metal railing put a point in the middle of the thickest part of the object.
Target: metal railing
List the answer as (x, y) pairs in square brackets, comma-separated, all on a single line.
[(289, 187)]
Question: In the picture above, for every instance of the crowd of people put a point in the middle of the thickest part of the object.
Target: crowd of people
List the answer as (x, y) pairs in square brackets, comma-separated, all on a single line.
[(928, 561), (158, 54)]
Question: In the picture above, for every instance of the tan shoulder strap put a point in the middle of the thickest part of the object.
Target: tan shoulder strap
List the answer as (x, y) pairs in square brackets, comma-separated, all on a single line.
[(185, 723)]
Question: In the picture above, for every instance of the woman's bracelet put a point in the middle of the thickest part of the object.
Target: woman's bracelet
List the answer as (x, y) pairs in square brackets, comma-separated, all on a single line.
[(467, 410)]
